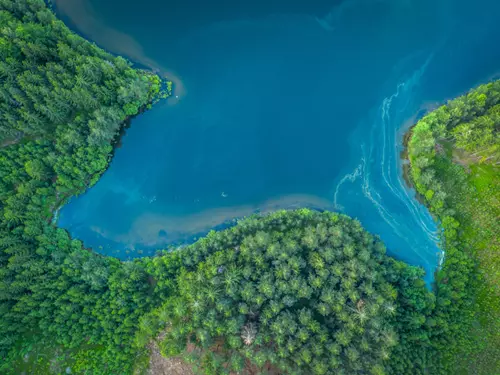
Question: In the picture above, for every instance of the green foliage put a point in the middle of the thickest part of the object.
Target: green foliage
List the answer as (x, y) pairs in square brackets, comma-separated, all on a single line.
[(454, 154), (62, 102), (51, 79), (294, 292), (298, 291)]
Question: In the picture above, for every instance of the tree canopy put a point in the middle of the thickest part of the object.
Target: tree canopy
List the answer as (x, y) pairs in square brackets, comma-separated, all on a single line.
[(62, 103), (296, 292), (454, 154), (52, 80)]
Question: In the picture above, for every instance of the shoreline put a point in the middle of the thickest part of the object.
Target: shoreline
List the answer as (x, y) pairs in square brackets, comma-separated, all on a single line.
[(88, 26), (146, 230), (424, 110), (407, 129), (116, 143)]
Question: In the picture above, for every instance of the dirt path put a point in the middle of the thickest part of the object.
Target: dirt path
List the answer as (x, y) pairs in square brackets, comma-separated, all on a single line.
[(159, 365)]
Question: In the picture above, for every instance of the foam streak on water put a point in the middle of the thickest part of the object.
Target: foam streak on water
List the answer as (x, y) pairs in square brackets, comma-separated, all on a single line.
[(379, 177), (280, 105)]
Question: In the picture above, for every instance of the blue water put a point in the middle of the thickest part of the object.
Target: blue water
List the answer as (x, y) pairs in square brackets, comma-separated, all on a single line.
[(277, 106)]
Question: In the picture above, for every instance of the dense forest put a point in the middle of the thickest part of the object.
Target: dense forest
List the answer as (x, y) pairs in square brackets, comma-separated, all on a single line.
[(455, 164), (62, 103), (294, 292)]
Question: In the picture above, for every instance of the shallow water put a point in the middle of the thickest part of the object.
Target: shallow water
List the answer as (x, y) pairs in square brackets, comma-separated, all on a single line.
[(279, 106)]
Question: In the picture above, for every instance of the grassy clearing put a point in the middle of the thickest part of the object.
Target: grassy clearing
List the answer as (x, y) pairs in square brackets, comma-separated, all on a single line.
[(473, 195)]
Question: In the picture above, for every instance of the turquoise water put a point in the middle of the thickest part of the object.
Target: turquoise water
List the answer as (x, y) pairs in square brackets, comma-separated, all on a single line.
[(277, 106)]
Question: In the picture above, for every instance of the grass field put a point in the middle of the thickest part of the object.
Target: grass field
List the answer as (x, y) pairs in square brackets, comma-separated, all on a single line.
[(473, 194)]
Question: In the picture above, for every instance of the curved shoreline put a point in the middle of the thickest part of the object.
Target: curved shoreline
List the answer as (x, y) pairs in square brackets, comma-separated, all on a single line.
[(81, 14), (146, 229)]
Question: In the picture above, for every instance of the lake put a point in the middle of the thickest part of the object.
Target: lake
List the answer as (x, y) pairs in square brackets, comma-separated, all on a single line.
[(282, 105)]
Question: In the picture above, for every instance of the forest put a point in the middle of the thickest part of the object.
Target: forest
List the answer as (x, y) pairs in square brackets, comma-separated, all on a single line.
[(62, 102), (293, 292), (454, 153)]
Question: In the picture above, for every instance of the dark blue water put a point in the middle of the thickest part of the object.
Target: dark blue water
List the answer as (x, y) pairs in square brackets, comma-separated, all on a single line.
[(277, 106)]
